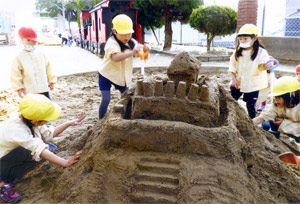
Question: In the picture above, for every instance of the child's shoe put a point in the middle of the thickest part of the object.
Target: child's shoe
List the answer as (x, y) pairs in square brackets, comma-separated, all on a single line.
[(262, 106), (8, 194)]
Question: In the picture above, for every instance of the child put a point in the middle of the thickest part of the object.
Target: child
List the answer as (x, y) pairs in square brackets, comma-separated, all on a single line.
[(22, 141), (117, 63), (31, 71), (296, 94), (263, 94), (298, 72), (247, 67), (283, 115)]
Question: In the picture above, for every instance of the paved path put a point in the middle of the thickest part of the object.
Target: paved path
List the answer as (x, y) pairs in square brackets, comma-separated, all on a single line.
[(71, 60)]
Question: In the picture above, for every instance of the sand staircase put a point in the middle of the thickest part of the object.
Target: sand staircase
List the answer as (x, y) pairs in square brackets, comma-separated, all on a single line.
[(156, 181)]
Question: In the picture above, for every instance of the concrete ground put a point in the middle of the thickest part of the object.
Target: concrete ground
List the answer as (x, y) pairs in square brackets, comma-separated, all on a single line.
[(71, 60)]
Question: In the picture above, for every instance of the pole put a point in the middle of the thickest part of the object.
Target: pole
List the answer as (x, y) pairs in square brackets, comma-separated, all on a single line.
[(180, 33), (263, 19)]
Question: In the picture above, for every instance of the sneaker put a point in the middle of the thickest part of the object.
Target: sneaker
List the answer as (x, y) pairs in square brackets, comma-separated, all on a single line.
[(261, 107), (8, 194)]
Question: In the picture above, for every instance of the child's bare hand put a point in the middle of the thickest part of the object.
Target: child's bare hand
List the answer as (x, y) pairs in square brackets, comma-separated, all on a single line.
[(235, 84), (78, 120), (51, 86), (146, 48), (137, 48), (74, 159), (21, 93), (278, 121)]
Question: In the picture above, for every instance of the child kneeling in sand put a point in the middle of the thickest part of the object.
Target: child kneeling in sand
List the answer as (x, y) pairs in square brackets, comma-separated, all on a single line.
[(22, 141), (283, 115)]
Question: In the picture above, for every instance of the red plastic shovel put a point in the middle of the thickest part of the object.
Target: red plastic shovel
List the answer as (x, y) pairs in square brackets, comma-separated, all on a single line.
[(290, 158)]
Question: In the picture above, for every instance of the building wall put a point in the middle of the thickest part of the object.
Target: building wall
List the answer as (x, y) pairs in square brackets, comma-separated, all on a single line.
[(282, 48)]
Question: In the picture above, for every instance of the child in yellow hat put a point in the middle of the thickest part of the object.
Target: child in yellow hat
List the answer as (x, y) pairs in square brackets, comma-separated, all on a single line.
[(283, 115), (248, 67), (117, 64), (22, 141)]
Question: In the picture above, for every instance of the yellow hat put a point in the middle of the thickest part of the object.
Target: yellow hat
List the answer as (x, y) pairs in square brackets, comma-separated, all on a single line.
[(39, 107), (123, 24), (248, 29), (285, 84)]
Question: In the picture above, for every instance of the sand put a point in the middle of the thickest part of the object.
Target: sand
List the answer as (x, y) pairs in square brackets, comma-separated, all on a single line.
[(160, 148)]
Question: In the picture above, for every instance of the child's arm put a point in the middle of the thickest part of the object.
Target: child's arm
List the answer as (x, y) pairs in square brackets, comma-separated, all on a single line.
[(117, 57), (16, 78), (235, 83), (258, 120), (52, 78), (59, 129), (53, 158)]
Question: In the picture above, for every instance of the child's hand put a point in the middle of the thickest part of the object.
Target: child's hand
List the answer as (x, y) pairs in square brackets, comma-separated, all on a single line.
[(146, 48), (235, 83), (278, 121), (21, 93), (51, 86), (137, 48), (74, 159), (78, 120)]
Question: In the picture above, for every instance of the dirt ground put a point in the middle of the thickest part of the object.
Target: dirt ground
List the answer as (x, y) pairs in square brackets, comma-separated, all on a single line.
[(159, 150)]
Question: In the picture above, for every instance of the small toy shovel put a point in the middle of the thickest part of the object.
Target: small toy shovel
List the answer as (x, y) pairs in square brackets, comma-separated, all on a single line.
[(142, 54), (272, 75), (289, 158)]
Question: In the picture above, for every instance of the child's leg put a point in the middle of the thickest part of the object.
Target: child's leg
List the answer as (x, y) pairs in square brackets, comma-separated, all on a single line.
[(235, 93), (104, 103), (122, 89), (250, 99), (104, 86), (15, 164)]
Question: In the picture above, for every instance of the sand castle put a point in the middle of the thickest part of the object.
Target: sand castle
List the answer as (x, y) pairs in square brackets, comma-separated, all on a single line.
[(176, 141)]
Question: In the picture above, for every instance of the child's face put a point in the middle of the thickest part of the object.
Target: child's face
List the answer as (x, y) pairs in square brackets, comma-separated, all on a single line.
[(28, 42), (244, 39), (298, 76), (124, 38), (246, 42), (279, 101)]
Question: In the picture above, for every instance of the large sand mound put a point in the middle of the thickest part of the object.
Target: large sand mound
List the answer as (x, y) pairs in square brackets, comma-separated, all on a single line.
[(166, 142)]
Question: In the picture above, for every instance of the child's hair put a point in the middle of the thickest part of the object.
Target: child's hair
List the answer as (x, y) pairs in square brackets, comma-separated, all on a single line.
[(29, 125), (296, 98), (290, 98), (256, 46), (122, 45)]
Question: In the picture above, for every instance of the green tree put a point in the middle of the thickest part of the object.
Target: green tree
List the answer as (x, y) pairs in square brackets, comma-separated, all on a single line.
[(168, 11), (148, 16), (55, 7), (214, 20)]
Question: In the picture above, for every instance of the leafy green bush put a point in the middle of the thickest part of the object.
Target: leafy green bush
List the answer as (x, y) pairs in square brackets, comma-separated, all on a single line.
[(214, 21)]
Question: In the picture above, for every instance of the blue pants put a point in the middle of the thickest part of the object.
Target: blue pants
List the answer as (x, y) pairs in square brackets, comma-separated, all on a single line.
[(104, 86), (249, 98), (47, 94)]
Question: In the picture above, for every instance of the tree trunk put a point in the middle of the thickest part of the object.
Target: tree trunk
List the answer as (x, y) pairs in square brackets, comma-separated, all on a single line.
[(208, 43), (143, 34), (168, 30), (209, 39)]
